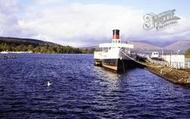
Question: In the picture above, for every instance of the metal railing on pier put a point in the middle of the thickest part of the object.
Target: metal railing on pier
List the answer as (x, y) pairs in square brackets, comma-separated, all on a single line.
[(187, 65)]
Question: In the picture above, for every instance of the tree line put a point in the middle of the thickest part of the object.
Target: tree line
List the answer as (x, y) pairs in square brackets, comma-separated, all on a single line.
[(187, 53), (38, 48)]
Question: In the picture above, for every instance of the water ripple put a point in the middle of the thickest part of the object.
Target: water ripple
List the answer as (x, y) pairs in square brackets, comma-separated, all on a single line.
[(80, 90)]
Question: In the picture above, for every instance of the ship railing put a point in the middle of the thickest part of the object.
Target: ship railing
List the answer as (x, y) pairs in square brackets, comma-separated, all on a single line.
[(99, 54), (128, 55)]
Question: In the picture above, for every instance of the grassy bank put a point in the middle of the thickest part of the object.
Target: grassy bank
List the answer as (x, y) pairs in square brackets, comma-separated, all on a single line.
[(174, 75)]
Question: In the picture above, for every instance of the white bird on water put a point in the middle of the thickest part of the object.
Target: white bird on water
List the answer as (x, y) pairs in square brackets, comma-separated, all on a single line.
[(48, 83)]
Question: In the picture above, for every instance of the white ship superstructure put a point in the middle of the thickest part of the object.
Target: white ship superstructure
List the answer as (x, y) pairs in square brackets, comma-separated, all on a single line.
[(114, 55)]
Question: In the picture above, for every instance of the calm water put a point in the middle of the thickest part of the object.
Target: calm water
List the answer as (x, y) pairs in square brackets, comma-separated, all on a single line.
[(79, 90)]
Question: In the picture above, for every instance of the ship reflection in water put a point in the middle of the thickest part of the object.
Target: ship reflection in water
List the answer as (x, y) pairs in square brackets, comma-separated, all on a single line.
[(80, 90), (111, 80)]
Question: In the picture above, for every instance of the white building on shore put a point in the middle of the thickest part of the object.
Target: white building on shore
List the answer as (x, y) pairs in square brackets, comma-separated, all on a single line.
[(175, 61)]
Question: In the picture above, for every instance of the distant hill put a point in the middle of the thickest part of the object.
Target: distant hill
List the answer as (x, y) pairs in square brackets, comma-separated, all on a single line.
[(182, 45), (144, 45), (26, 44), (25, 40), (36, 46)]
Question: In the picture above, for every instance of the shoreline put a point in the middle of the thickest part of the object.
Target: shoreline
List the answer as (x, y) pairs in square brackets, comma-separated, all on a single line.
[(176, 76)]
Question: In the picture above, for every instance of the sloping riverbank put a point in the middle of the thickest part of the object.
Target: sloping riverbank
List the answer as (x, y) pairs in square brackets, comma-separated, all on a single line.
[(173, 75)]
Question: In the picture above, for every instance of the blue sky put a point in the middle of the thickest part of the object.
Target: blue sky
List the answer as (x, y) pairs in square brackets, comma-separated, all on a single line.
[(76, 22), (182, 6)]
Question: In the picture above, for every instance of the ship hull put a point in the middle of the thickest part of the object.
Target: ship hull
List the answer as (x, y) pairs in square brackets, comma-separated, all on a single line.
[(118, 65)]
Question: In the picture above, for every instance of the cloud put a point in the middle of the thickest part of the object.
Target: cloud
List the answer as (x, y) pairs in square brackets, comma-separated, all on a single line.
[(80, 24), (179, 31), (9, 10)]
